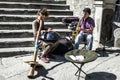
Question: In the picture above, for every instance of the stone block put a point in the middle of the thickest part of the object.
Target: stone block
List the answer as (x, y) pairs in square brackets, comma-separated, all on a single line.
[(117, 43), (117, 33), (117, 37)]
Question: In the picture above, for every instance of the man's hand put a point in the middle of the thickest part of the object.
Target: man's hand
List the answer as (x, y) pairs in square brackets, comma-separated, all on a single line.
[(87, 30)]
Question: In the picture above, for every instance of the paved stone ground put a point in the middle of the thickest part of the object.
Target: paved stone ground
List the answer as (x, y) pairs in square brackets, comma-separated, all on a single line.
[(105, 67)]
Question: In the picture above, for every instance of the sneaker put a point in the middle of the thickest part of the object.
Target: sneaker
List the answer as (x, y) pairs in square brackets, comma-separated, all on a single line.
[(45, 60)]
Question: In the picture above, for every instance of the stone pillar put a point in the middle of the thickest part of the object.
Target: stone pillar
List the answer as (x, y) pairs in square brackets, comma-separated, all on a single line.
[(107, 23), (117, 37), (109, 4), (98, 22)]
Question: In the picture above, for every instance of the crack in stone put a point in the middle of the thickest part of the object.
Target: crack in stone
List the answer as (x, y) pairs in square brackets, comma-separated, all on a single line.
[(2, 77), (16, 74), (101, 63), (1, 61)]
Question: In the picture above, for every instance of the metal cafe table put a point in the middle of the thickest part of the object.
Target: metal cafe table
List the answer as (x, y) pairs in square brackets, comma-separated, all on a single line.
[(88, 56)]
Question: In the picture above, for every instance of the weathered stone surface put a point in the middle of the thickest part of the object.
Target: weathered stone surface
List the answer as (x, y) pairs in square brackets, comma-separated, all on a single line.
[(2, 78), (16, 21), (103, 68), (117, 43), (117, 37), (117, 33), (106, 29), (78, 5)]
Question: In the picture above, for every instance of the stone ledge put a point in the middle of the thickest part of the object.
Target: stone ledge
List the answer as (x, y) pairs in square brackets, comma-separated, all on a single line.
[(31, 31), (38, 1), (17, 49), (32, 16), (27, 23), (28, 3), (16, 39), (25, 9)]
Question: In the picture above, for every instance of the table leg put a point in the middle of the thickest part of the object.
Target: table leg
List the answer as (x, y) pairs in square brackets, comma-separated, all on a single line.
[(79, 70)]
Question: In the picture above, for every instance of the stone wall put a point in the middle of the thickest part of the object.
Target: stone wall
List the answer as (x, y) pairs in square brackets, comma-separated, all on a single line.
[(77, 6)]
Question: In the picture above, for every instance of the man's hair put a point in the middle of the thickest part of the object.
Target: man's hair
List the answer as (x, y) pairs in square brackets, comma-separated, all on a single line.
[(88, 10), (43, 12)]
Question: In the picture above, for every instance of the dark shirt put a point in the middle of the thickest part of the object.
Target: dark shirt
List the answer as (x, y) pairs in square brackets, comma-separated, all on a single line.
[(36, 24)]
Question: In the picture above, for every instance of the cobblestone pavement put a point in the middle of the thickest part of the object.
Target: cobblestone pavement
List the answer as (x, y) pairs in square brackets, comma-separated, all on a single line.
[(105, 67)]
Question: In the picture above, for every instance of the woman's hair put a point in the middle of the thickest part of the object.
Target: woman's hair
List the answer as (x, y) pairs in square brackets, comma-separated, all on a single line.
[(43, 12)]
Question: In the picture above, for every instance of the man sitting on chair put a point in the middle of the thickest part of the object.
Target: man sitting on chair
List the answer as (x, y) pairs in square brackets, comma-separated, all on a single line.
[(85, 30)]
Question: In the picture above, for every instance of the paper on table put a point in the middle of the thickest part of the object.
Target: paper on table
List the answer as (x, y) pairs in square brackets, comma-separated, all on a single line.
[(72, 57), (78, 57)]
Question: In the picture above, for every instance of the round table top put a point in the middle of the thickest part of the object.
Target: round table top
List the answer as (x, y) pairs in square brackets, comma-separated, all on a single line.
[(87, 54)]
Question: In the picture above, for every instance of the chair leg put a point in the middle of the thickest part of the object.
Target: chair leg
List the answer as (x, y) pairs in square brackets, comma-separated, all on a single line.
[(84, 47)]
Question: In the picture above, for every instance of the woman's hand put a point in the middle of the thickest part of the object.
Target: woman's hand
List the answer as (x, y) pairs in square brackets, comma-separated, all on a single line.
[(49, 29)]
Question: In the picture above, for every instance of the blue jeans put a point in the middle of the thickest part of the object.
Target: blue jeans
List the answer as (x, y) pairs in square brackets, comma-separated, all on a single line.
[(80, 37)]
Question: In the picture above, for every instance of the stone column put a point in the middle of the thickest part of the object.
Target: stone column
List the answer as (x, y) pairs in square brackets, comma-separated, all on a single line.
[(107, 23), (98, 22)]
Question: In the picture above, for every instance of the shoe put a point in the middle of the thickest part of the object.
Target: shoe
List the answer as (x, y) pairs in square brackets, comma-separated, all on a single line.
[(45, 60)]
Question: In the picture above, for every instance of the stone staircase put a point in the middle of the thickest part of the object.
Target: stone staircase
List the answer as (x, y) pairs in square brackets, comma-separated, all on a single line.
[(16, 17)]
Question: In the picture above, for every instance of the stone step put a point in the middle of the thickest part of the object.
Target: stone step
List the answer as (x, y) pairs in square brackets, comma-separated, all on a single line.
[(28, 25), (16, 33), (33, 5), (36, 1), (16, 42), (25, 42), (19, 11), (30, 18), (27, 33), (16, 16), (6, 52)]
